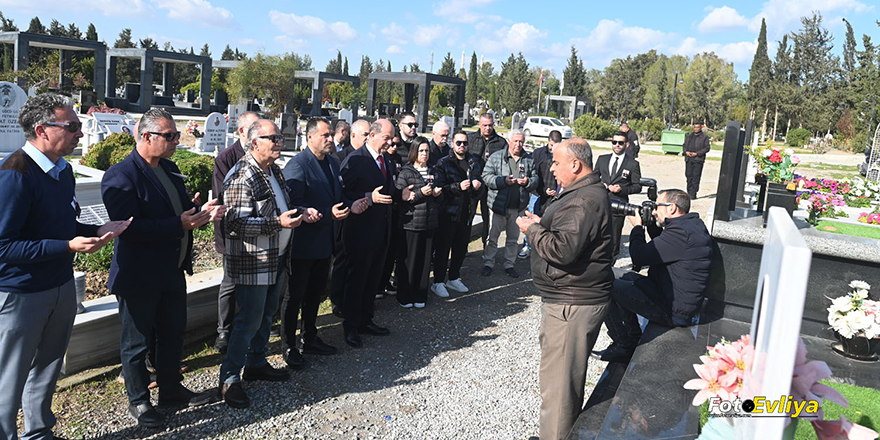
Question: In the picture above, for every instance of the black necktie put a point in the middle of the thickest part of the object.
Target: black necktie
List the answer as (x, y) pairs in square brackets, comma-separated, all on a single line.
[(614, 167)]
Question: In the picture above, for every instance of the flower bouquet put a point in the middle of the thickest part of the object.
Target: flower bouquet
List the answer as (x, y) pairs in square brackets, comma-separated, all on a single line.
[(727, 363), (192, 128), (854, 314), (775, 163)]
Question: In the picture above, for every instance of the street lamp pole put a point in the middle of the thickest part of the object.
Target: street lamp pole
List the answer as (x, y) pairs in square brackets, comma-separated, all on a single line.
[(672, 103)]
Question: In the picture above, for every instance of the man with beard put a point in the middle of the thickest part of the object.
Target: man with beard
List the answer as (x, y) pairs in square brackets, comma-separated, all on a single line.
[(482, 144)]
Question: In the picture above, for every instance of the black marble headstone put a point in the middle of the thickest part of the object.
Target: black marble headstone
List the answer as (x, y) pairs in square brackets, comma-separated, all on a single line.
[(727, 180)]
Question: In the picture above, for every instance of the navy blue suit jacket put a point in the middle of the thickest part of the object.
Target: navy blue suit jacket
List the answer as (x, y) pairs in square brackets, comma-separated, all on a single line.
[(360, 176), (308, 186), (145, 255)]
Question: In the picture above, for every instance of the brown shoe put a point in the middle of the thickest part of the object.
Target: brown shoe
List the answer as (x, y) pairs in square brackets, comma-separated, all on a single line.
[(233, 394)]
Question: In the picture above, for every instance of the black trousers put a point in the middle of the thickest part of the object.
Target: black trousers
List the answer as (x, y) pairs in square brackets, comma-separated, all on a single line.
[(616, 233), (633, 294), (395, 244), (693, 171), (160, 315), (414, 266), (305, 288), (338, 274), (484, 213), (364, 273), (453, 236), (225, 303)]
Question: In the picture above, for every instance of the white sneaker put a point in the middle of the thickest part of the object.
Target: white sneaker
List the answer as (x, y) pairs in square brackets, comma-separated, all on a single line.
[(420, 305), (440, 290), (406, 306), (456, 285)]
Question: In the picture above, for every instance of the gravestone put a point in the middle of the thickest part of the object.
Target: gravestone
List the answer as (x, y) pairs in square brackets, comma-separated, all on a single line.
[(514, 120), (114, 123), (288, 129), (449, 120), (346, 116), (86, 99), (190, 96), (12, 98), (466, 114), (215, 133), (132, 92), (776, 321)]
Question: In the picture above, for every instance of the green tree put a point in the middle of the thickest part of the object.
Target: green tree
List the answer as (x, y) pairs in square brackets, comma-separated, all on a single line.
[(206, 51), (91, 33), (493, 95), (448, 66), (335, 65), (7, 51), (127, 70), (345, 67), (513, 91), (74, 32), (759, 91), (471, 90), (849, 54), (366, 70), (574, 76), (269, 76), (36, 27), (57, 29), (709, 84), (783, 89), (813, 67), (485, 78)]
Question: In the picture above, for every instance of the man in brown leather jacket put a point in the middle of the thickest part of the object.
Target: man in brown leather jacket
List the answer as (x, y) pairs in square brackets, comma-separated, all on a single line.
[(571, 267)]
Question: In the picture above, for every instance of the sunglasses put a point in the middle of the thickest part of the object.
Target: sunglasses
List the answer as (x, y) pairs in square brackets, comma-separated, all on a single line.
[(276, 138), (412, 124), (171, 136), (618, 142), (72, 127), (461, 143), (663, 204)]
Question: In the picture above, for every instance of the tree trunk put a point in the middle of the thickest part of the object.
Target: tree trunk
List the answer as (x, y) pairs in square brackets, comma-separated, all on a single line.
[(764, 124), (775, 120)]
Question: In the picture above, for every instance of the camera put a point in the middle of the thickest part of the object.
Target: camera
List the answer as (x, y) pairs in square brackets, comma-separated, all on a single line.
[(645, 210)]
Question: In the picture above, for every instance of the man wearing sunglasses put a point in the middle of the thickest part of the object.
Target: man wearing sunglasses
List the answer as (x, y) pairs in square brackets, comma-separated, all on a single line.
[(696, 146), (621, 174), (679, 255), (408, 133), (39, 235), (149, 262), (482, 144)]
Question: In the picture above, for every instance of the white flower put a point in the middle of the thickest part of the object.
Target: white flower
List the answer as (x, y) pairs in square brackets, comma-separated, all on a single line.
[(860, 294), (859, 284), (841, 304), (766, 152), (788, 151)]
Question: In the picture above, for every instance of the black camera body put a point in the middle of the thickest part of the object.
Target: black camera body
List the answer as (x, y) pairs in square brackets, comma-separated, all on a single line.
[(645, 211)]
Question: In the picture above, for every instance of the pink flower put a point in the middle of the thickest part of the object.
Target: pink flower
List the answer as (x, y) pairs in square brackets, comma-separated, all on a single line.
[(710, 383), (795, 160), (842, 429)]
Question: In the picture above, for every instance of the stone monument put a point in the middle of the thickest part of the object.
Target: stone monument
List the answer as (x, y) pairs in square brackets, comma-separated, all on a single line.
[(346, 116), (12, 98), (215, 133), (288, 129)]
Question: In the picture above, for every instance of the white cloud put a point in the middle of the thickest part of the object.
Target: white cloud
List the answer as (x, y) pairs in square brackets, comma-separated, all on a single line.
[(462, 11), (721, 19), (394, 50), (612, 39), (394, 33), (249, 42), (427, 35), (520, 37), (784, 15), (109, 8), (737, 53), (200, 12), (292, 44), (177, 43), (298, 26)]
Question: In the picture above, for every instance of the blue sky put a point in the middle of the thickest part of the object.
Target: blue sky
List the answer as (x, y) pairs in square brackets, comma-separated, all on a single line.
[(407, 32)]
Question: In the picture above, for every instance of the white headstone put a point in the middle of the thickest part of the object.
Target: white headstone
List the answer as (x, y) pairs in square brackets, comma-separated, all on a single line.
[(449, 120), (776, 321), (345, 115), (215, 132), (114, 123), (234, 111), (12, 98)]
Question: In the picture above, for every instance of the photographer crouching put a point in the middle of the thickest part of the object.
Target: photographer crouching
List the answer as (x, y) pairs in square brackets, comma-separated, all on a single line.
[(679, 255)]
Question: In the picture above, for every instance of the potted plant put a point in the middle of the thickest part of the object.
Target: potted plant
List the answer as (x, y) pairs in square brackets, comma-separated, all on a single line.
[(777, 165), (192, 128), (855, 320)]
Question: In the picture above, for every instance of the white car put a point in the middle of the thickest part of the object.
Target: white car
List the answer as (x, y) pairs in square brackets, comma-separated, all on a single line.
[(543, 125)]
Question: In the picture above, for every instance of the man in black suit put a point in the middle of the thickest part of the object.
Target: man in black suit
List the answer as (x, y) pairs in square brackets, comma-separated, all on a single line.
[(358, 133), (312, 179), (367, 173), (696, 146), (439, 143), (408, 132), (482, 143), (632, 140), (341, 136), (226, 294), (621, 174)]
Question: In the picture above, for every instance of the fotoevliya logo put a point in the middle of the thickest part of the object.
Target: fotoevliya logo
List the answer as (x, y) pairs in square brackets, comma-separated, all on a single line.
[(761, 406)]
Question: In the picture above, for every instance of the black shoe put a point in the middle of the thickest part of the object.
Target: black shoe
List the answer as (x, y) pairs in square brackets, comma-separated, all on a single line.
[(615, 353), (373, 329), (294, 360), (233, 394), (512, 272), (266, 372), (353, 339), (146, 415), (181, 396), (221, 343), (317, 346), (486, 271), (275, 332)]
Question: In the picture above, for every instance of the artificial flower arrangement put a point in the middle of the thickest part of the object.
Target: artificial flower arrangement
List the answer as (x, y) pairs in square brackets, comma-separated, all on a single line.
[(777, 164), (822, 206), (870, 218), (192, 128), (724, 369), (854, 314)]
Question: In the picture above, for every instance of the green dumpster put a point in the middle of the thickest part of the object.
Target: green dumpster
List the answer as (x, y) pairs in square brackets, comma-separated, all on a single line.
[(672, 141)]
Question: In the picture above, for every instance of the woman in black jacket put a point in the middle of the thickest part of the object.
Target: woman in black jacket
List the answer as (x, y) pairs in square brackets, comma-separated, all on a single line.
[(418, 219)]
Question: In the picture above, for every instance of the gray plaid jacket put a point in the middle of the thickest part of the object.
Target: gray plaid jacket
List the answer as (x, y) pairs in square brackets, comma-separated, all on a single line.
[(251, 223)]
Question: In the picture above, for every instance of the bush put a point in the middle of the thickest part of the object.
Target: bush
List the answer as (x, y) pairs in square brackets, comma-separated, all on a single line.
[(718, 135), (648, 130), (109, 152), (199, 173), (858, 142), (593, 128), (505, 121), (98, 261), (797, 137)]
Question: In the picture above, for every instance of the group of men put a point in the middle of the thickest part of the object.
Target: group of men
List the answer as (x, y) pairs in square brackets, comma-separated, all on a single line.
[(282, 233)]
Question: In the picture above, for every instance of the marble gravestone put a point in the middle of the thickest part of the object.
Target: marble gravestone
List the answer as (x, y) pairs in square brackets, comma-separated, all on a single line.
[(776, 321), (449, 120), (346, 116), (233, 111), (288, 128), (114, 123), (12, 98), (215, 133)]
